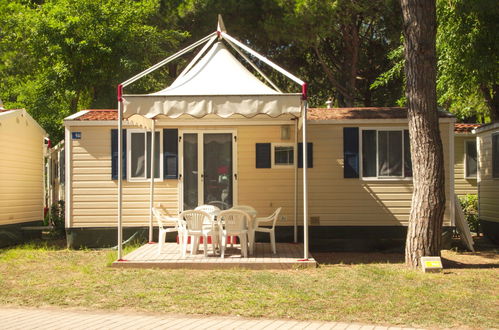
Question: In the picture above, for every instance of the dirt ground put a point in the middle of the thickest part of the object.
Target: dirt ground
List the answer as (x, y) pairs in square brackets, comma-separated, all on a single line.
[(485, 256)]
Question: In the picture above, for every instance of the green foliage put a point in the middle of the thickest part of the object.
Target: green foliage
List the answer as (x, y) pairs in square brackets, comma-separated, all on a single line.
[(467, 42), (65, 55), (469, 203), (56, 219)]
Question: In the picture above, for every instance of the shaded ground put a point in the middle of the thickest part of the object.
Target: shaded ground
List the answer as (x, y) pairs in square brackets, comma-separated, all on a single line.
[(485, 256)]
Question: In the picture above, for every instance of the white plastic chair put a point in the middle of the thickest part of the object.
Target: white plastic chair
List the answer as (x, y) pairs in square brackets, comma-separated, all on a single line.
[(272, 218), (166, 224), (196, 227), (251, 232), (213, 211), (234, 223)]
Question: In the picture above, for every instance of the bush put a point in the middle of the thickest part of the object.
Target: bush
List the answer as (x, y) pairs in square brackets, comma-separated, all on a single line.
[(469, 203), (56, 219)]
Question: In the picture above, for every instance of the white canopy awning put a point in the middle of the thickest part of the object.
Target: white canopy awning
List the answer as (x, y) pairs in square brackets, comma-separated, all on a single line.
[(214, 83), (218, 84)]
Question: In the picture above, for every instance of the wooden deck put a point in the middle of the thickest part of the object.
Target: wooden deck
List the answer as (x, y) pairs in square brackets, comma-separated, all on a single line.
[(288, 256)]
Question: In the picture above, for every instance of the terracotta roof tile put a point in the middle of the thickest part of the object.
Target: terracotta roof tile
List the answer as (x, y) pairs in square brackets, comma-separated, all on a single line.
[(465, 128), (362, 113), (99, 114), (313, 113)]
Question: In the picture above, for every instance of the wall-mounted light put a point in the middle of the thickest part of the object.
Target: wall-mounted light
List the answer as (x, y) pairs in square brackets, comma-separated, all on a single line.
[(285, 132)]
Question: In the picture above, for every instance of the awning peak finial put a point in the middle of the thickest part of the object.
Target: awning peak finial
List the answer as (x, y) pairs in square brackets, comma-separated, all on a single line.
[(220, 24)]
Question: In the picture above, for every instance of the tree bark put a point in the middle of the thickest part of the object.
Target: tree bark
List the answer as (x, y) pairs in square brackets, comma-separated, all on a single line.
[(492, 101), (351, 39), (428, 199)]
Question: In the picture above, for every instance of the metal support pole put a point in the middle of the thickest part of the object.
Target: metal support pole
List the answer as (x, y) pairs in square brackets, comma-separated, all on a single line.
[(151, 196), (295, 161), (305, 185), (120, 172)]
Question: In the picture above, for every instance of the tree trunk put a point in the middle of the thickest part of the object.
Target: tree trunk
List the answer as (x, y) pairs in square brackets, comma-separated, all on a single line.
[(492, 101), (351, 39), (428, 199)]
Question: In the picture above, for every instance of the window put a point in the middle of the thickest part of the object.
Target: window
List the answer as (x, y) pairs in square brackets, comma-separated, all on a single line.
[(139, 151), (495, 155), (470, 164), (386, 154), (282, 154)]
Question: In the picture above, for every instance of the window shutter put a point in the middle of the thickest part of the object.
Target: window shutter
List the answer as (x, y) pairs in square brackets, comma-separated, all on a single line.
[(170, 153), (407, 155), (263, 155), (350, 152), (62, 166), (495, 155), (310, 155), (114, 154)]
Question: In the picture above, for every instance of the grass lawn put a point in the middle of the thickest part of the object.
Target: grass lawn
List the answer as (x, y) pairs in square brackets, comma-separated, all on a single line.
[(380, 292)]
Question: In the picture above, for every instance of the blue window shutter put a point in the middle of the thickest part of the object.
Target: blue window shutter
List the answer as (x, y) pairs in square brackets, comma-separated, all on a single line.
[(310, 155), (62, 166), (407, 155), (114, 154), (263, 155), (170, 153), (350, 152)]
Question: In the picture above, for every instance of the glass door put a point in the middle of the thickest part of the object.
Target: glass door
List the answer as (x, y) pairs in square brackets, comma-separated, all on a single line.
[(217, 169), (208, 174)]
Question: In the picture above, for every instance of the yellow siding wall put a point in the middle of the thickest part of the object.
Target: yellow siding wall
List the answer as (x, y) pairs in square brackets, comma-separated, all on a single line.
[(94, 195), (462, 185), (335, 200), (488, 187), (21, 170)]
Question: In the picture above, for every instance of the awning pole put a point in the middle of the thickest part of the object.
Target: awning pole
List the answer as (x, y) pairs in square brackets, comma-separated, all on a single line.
[(151, 196), (295, 161), (305, 186), (120, 172)]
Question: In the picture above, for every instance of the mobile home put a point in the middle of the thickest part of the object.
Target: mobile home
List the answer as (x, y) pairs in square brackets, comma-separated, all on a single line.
[(22, 146), (488, 179), (359, 172), (465, 159)]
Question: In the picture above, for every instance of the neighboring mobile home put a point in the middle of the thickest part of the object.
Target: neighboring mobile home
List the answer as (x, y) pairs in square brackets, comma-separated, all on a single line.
[(22, 149), (55, 167), (360, 173), (488, 179), (465, 159)]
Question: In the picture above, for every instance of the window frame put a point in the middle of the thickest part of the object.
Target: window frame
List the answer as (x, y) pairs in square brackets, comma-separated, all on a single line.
[(466, 160), (361, 155), (272, 155), (129, 177)]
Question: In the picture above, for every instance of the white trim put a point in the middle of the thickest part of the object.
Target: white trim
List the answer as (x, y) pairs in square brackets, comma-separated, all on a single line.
[(76, 115), (272, 155), (485, 128), (68, 186), (382, 178), (200, 150), (465, 160), (129, 132)]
